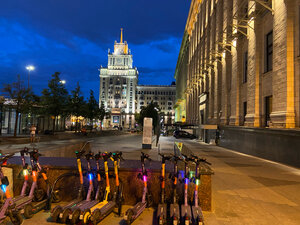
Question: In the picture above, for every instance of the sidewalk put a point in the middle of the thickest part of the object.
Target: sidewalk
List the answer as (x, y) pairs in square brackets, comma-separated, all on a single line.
[(250, 190)]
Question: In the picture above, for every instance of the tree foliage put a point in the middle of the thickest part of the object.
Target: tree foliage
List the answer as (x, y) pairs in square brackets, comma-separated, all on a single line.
[(92, 108), (151, 111), (76, 104), (54, 99), (23, 98)]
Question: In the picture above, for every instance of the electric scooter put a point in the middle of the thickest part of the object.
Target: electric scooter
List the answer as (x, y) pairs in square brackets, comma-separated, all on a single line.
[(132, 213), (104, 208), (174, 207), (25, 173), (84, 206), (186, 214), (61, 212), (196, 209), (162, 206), (8, 208), (37, 198)]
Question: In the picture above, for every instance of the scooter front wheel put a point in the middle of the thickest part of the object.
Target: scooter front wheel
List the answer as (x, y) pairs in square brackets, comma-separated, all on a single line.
[(65, 215), (85, 216), (175, 221), (16, 218), (75, 216), (161, 220), (187, 221), (95, 217), (55, 213), (129, 216), (28, 211)]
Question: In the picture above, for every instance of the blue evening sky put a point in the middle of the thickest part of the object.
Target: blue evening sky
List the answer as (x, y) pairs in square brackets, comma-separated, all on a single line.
[(73, 36)]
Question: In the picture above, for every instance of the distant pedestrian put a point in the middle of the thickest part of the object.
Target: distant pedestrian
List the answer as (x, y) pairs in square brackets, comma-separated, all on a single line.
[(32, 133)]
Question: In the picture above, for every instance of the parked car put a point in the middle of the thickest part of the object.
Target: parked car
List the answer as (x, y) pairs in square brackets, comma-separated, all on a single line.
[(183, 134)]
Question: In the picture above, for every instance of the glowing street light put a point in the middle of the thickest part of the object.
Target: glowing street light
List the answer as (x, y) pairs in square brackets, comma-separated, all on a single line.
[(63, 81), (29, 68)]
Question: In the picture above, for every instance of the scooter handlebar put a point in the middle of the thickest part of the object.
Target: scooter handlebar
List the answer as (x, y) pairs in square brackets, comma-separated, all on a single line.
[(165, 157), (117, 155), (6, 157), (145, 156), (98, 156), (197, 159), (106, 155), (34, 154), (24, 151), (89, 155)]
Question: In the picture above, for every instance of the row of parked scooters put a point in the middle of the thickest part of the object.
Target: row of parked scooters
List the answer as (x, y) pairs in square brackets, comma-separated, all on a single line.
[(32, 198), (94, 205), (185, 214)]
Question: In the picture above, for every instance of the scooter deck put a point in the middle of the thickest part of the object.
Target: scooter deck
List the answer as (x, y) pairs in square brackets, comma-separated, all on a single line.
[(107, 209), (21, 201), (72, 204), (138, 208), (85, 205), (197, 214)]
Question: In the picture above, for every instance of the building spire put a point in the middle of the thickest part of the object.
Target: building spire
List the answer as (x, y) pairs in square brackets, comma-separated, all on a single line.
[(121, 38)]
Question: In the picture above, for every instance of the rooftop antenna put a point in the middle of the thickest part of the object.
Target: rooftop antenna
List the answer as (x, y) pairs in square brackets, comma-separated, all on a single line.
[(121, 38)]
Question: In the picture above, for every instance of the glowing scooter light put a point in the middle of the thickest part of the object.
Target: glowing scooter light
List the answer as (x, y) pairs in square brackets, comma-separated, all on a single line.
[(186, 181), (25, 172), (3, 187)]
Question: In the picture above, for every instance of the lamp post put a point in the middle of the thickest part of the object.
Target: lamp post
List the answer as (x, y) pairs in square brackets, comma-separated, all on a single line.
[(29, 68), (63, 81), (2, 99)]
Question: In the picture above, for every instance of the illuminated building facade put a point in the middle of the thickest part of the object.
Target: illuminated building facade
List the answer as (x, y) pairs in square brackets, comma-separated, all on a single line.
[(163, 95), (242, 63), (122, 96), (242, 74)]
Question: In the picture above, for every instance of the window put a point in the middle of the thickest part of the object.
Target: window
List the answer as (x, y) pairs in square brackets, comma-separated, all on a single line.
[(269, 52), (268, 110), (141, 103), (244, 111), (245, 69)]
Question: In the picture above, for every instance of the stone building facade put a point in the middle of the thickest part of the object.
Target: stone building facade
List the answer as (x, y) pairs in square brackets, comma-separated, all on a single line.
[(122, 96), (163, 95), (242, 63)]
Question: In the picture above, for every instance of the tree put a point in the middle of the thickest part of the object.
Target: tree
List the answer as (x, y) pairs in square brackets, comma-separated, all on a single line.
[(102, 114), (22, 97), (54, 99), (151, 111), (77, 104), (92, 108)]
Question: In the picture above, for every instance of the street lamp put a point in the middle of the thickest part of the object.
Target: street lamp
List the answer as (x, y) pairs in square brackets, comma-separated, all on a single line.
[(29, 68), (2, 100), (63, 81)]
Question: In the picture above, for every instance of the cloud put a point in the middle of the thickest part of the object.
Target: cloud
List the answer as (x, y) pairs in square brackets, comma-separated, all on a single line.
[(72, 37)]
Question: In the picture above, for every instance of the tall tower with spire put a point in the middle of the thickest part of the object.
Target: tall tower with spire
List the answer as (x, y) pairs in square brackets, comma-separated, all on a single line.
[(118, 83)]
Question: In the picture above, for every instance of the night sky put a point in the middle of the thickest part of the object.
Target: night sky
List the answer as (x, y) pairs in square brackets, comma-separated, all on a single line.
[(73, 36)]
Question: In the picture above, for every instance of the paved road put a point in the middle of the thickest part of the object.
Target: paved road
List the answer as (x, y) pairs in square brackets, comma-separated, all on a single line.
[(246, 190), (250, 190)]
